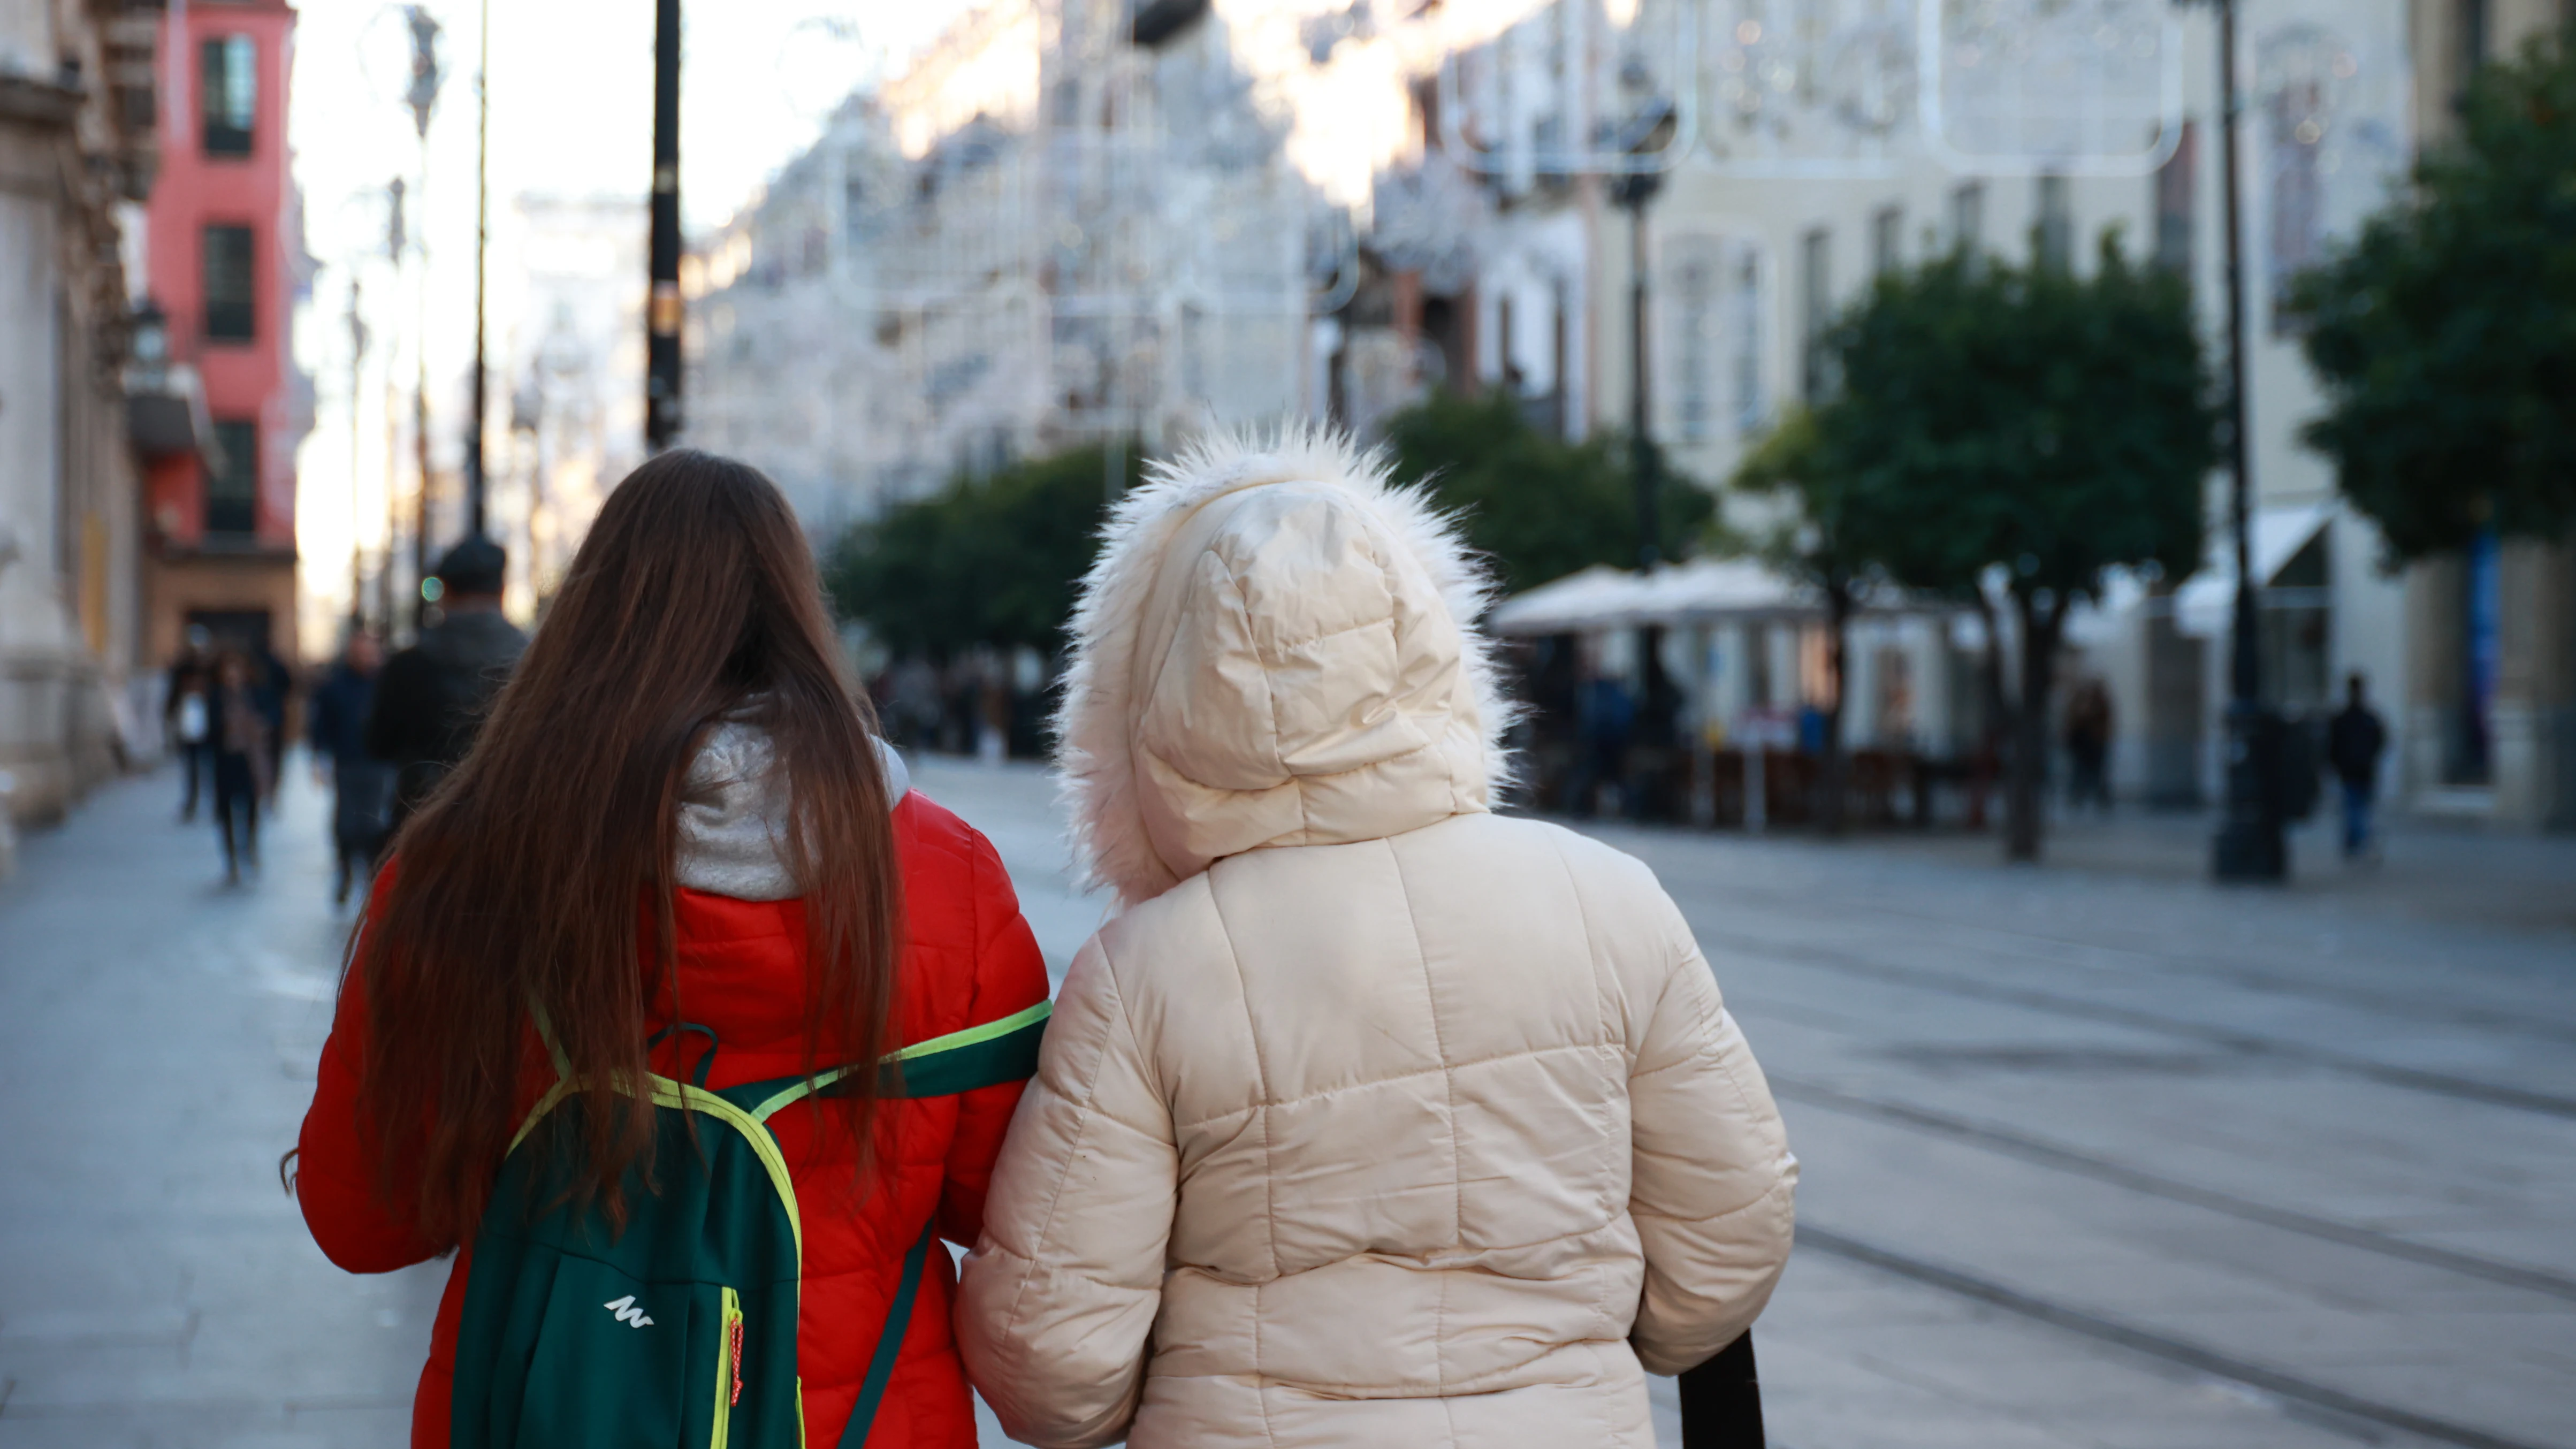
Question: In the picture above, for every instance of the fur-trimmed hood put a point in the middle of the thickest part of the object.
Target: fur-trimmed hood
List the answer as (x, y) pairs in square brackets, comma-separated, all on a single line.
[(1276, 647)]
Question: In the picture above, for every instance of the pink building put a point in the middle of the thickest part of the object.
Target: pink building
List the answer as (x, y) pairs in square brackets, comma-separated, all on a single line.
[(226, 255)]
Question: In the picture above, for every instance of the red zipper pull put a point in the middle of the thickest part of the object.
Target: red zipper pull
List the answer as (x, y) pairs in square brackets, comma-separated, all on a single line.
[(737, 1365)]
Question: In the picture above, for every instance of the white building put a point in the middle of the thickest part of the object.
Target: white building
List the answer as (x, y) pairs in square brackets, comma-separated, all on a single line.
[(573, 366), (1043, 232), (1819, 144)]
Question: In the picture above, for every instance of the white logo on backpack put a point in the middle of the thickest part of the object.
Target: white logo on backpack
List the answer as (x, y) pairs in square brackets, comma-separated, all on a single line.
[(627, 1313)]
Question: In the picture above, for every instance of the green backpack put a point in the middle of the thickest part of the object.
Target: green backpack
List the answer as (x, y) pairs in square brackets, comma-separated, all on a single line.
[(679, 1330)]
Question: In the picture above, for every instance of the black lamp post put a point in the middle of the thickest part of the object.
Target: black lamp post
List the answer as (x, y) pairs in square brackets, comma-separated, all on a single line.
[(1635, 189), (2249, 846), (662, 305)]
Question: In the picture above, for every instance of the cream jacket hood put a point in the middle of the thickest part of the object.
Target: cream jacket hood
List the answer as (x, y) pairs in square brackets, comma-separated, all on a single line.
[(1374, 1118)]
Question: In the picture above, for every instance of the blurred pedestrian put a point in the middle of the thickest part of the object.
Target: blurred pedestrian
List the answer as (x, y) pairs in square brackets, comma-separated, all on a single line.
[(1607, 714), (240, 733), (679, 799), (1364, 1079), (2088, 746), (361, 784), (187, 715), (2355, 737), (431, 698), (273, 687)]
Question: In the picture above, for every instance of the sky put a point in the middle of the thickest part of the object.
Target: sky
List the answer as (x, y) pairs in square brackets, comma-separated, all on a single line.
[(572, 114)]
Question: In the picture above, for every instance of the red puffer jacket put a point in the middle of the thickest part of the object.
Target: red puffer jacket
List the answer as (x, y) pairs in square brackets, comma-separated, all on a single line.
[(969, 959)]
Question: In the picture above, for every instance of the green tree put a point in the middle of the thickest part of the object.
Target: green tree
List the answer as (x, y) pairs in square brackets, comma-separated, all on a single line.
[(2445, 332), (2022, 420), (1815, 545), (1541, 507), (990, 560)]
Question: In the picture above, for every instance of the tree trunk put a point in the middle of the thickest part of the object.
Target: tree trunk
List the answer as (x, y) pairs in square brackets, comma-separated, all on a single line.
[(1986, 755), (1830, 774), (2026, 793)]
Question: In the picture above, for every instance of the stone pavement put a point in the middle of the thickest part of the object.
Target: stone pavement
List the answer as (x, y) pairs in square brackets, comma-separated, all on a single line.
[(2095, 1155), (158, 1035)]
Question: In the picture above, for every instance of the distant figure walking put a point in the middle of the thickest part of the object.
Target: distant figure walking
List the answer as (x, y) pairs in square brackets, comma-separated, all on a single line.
[(2088, 746), (431, 698), (2355, 738), (241, 759), (187, 713), (361, 784)]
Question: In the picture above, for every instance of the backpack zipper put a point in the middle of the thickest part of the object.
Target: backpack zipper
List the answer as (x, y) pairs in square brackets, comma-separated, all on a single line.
[(728, 1366)]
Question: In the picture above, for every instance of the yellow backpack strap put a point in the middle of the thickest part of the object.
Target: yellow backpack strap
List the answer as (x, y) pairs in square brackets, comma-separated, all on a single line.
[(999, 1051)]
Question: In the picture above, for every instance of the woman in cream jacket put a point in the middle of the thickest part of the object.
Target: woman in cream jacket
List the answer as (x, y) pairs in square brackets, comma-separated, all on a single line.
[(1374, 1118)]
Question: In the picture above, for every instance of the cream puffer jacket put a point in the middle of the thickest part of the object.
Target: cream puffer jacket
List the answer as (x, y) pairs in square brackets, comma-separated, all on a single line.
[(1375, 1118)]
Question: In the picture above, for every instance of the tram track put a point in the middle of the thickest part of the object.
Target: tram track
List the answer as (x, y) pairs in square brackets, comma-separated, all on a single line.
[(2083, 1164), (2233, 1039), (2481, 1018), (2150, 1343)]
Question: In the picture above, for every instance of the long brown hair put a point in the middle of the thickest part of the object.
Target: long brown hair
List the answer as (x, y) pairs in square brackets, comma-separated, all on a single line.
[(525, 878)]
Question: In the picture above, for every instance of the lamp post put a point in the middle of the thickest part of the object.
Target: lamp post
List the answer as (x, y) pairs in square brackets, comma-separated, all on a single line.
[(662, 306), (474, 460), (422, 97), (2249, 846), (357, 382)]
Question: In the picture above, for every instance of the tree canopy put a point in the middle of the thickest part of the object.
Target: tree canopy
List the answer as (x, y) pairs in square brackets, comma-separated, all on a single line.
[(2445, 332), (1541, 507), (2053, 424), (990, 560)]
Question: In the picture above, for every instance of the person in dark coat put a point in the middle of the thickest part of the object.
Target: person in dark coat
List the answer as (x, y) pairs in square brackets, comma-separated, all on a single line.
[(361, 784), (2354, 739), (431, 697), (239, 731), (187, 715), (272, 686)]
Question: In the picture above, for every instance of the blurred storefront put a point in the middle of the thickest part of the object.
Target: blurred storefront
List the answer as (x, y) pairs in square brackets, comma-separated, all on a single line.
[(1740, 669)]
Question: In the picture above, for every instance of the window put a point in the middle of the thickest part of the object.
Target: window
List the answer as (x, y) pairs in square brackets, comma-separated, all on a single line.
[(228, 92), (2055, 244), (231, 315), (1815, 310), (1752, 409), (2174, 202), (1886, 240), (1697, 282), (232, 489), (2298, 117), (1968, 216)]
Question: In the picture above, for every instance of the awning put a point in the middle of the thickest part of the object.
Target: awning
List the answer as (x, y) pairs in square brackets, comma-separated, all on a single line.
[(1602, 597), (1703, 591), (2203, 606)]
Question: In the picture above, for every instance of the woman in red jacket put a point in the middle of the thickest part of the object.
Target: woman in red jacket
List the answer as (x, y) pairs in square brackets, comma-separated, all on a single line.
[(678, 812)]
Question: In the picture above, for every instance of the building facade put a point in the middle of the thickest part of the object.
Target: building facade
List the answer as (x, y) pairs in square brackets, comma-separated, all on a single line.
[(1820, 149), (1061, 224), (2490, 697), (226, 265), (77, 152)]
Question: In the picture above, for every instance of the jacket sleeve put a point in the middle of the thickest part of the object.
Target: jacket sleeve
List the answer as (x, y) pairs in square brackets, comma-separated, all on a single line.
[(403, 693), (322, 724), (1058, 1298), (1010, 977), (1713, 1183), (335, 1179)]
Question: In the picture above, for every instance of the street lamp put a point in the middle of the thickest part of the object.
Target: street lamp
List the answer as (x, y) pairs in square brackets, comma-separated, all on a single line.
[(2250, 846), (662, 304), (422, 97), (474, 460)]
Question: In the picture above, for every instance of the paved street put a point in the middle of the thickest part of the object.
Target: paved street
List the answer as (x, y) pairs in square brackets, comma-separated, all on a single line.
[(2094, 1156)]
